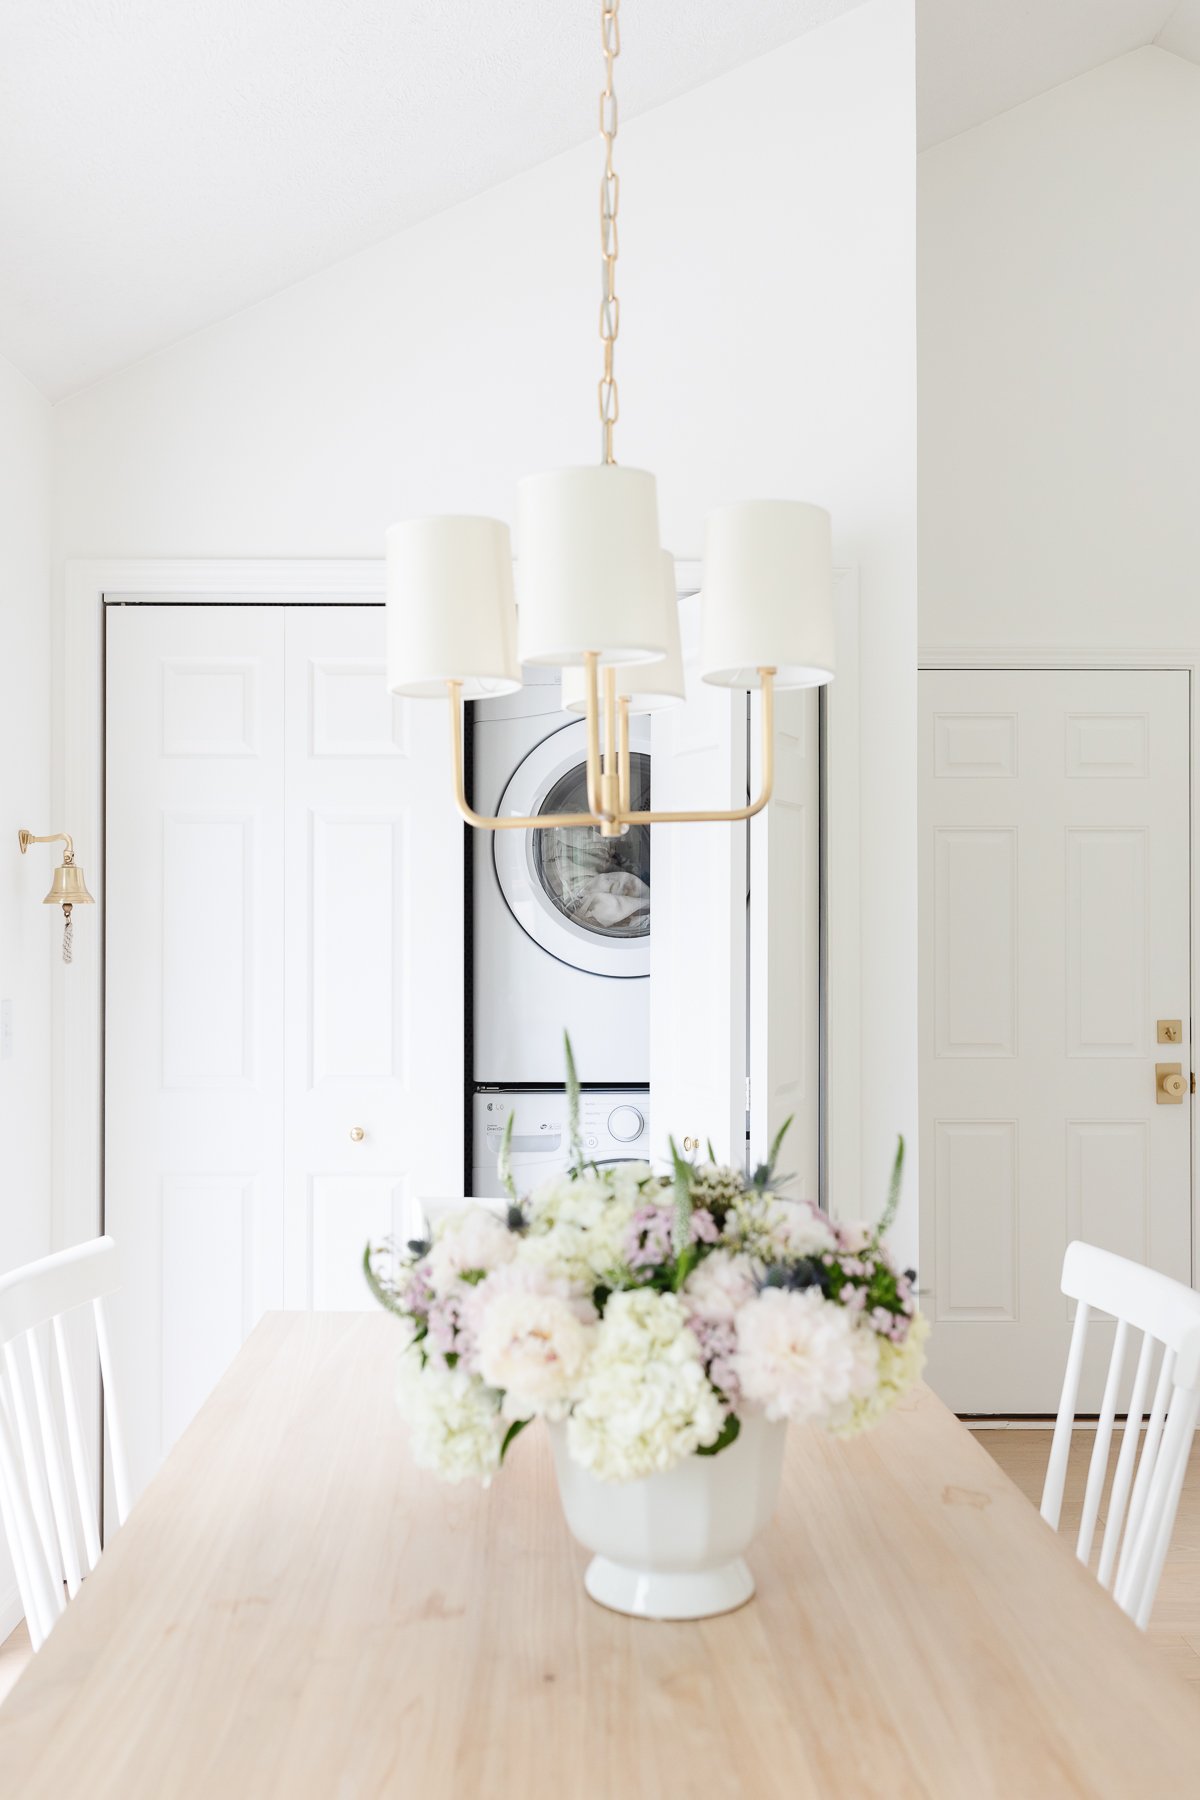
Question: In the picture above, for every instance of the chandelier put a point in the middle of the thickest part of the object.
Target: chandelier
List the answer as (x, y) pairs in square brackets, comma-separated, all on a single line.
[(597, 591)]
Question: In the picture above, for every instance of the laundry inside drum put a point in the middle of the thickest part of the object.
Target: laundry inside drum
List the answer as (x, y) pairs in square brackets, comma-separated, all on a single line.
[(601, 884)]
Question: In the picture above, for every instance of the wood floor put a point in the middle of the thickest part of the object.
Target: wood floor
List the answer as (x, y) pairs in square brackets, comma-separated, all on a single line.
[(14, 1654), (1175, 1625), (1021, 1453)]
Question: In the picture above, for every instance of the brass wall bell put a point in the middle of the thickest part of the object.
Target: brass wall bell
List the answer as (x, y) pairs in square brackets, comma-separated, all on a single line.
[(68, 889)]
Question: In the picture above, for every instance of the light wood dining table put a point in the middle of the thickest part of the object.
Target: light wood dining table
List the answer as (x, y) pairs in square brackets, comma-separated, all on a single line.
[(293, 1609)]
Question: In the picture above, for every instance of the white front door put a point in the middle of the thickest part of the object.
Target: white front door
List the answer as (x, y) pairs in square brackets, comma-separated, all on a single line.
[(284, 962), (1054, 945)]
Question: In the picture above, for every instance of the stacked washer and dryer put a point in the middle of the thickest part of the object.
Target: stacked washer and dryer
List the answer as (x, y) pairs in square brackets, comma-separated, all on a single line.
[(561, 941)]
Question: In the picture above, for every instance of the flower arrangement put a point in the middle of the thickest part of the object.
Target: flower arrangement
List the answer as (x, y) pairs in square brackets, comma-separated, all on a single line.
[(649, 1312)]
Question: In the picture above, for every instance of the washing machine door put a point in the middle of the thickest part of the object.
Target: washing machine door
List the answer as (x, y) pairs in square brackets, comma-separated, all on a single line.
[(584, 898)]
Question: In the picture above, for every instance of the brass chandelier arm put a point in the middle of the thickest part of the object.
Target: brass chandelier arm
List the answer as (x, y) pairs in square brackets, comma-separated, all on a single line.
[(739, 813), (543, 822), (615, 780)]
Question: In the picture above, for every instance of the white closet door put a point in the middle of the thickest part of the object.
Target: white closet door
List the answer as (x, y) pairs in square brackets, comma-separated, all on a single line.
[(698, 921), (284, 964), (374, 996), (1055, 904), (784, 1012), (193, 999)]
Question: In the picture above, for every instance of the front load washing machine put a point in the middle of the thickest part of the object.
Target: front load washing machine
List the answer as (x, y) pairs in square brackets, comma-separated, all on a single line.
[(561, 917), (614, 1124)]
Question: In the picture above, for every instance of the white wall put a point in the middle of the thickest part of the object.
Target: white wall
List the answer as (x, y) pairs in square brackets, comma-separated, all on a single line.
[(1059, 314), (25, 926), (767, 346)]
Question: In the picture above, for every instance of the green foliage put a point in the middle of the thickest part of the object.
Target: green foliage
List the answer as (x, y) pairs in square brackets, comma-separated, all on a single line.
[(729, 1432), (504, 1165), (514, 1431), (382, 1294), (888, 1216), (880, 1284), (685, 1262), (773, 1158), (577, 1158), (681, 1230), (764, 1178)]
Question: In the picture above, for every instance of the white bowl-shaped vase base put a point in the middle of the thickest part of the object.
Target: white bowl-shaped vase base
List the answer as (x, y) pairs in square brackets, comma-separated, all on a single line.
[(670, 1546), (644, 1594)]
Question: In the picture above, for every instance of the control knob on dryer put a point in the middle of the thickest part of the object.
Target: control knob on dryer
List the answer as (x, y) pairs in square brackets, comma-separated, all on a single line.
[(625, 1123)]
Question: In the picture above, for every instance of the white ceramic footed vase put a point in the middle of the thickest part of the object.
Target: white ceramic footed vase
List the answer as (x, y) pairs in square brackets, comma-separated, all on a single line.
[(671, 1546)]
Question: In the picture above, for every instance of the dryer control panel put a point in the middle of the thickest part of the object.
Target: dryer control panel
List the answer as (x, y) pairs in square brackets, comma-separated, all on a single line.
[(614, 1123)]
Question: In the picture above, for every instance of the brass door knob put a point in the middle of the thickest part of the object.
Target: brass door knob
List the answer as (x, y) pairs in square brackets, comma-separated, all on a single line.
[(357, 1134), (691, 1143), (1171, 1085)]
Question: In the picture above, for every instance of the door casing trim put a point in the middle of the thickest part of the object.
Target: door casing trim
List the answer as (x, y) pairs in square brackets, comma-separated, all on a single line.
[(77, 1032)]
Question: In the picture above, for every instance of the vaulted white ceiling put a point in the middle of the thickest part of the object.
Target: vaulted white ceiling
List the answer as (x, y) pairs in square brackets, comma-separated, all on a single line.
[(164, 163), (977, 58)]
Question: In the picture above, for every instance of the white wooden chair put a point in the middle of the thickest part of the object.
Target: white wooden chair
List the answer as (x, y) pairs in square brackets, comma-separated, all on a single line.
[(1142, 1506), (50, 1517)]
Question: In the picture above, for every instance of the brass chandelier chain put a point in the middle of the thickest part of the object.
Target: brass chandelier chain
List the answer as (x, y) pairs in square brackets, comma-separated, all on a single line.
[(610, 197), (609, 778)]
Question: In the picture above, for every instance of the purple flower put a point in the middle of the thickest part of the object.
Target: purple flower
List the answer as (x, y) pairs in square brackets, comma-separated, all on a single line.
[(648, 1241), (718, 1342), (449, 1332)]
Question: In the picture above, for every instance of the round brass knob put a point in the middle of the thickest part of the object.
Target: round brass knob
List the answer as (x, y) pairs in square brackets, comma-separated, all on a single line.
[(357, 1134), (691, 1143), (1173, 1085)]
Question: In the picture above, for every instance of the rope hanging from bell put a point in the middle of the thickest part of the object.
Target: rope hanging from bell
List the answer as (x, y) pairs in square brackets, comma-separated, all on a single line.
[(68, 950)]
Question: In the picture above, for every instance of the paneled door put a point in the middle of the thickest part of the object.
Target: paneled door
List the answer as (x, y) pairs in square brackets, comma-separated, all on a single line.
[(1055, 982), (283, 976)]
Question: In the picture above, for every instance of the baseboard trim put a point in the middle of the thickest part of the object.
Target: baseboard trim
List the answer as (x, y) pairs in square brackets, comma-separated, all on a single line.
[(1027, 1422), (11, 1612)]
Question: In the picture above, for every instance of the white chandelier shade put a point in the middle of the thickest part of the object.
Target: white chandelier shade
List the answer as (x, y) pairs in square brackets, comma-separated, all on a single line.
[(451, 612), (647, 686), (767, 598), (590, 567), (598, 598)]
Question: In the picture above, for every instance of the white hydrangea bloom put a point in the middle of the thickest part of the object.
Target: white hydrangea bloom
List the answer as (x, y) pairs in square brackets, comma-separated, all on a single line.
[(471, 1239), (535, 1348), (772, 1230), (800, 1356), (456, 1427), (646, 1402), (719, 1286), (634, 1182), (578, 1229), (900, 1367), (521, 1276)]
